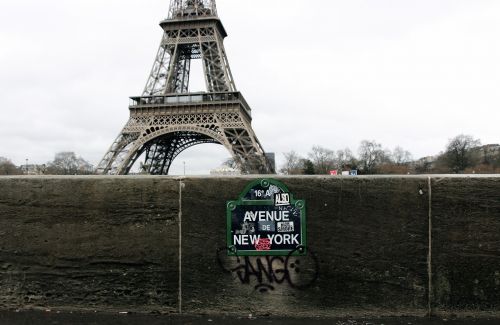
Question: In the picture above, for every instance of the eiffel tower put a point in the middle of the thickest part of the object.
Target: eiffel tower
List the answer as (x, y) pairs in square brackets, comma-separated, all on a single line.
[(168, 119)]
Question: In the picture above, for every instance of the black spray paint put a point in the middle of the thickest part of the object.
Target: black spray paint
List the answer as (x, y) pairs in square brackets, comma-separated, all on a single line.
[(297, 272)]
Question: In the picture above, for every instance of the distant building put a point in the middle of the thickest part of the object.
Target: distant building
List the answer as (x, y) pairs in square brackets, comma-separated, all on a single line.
[(488, 154), (225, 171), (490, 149), (423, 165), (33, 169), (271, 157)]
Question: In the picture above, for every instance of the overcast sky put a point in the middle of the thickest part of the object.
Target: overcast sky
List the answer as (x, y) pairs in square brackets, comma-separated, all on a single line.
[(412, 73)]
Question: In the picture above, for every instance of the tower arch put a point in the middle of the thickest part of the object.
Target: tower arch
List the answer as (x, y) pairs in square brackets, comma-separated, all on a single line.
[(164, 145)]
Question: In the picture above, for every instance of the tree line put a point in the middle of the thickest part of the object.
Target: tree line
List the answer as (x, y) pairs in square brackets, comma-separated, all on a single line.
[(371, 158), (463, 154), (64, 163)]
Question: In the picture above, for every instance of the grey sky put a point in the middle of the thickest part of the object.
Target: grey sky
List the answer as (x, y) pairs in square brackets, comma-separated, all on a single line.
[(326, 72)]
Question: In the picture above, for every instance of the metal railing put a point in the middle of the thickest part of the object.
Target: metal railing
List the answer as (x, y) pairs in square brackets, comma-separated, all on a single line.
[(186, 99)]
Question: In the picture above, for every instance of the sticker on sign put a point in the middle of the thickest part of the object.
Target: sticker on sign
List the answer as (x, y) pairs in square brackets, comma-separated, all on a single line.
[(285, 226)]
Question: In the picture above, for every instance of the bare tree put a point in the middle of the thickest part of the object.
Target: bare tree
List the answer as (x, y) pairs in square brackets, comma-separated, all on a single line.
[(67, 163), (253, 164), (293, 164), (459, 155), (370, 155), (345, 159), (401, 156), (8, 168), (323, 159)]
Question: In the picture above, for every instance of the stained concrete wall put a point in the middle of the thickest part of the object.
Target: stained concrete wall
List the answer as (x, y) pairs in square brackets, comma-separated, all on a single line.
[(377, 246)]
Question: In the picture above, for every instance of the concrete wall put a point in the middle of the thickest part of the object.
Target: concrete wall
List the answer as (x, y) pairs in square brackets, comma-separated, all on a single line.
[(377, 246)]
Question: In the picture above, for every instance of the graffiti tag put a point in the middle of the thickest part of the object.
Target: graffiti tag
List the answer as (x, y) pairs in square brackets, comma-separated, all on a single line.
[(266, 272)]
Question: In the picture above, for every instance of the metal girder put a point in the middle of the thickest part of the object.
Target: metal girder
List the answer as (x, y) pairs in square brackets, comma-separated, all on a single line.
[(192, 8), (156, 83), (117, 153), (161, 152), (170, 72), (171, 119)]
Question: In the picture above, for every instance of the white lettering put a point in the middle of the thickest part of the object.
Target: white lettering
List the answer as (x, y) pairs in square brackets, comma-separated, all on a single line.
[(282, 199), (250, 216), (286, 239), (254, 239), (267, 216), (243, 239)]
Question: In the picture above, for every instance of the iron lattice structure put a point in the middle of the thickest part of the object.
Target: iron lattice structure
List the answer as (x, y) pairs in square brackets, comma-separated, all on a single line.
[(167, 119)]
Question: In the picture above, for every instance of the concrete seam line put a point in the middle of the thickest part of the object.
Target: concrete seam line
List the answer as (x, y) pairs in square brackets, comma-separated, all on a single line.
[(180, 246), (429, 256)]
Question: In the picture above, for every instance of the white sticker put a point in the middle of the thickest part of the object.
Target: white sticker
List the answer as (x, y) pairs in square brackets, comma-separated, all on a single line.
[(282, 199), (285, 226)]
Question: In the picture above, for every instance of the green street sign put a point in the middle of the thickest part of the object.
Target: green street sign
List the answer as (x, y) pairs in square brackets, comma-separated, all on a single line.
[(266, 220)]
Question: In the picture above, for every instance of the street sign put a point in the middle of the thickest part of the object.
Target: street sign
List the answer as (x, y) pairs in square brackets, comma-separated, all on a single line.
[(334, 172), (266, 220)]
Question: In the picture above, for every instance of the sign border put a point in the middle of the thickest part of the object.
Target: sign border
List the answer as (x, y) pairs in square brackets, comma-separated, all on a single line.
[(300, 250)]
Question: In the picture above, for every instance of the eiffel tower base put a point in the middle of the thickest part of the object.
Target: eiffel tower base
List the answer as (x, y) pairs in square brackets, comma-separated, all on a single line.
[(161, 127)]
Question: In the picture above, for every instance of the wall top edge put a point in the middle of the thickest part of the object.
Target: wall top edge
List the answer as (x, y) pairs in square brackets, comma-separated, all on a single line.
[(249, 177)]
